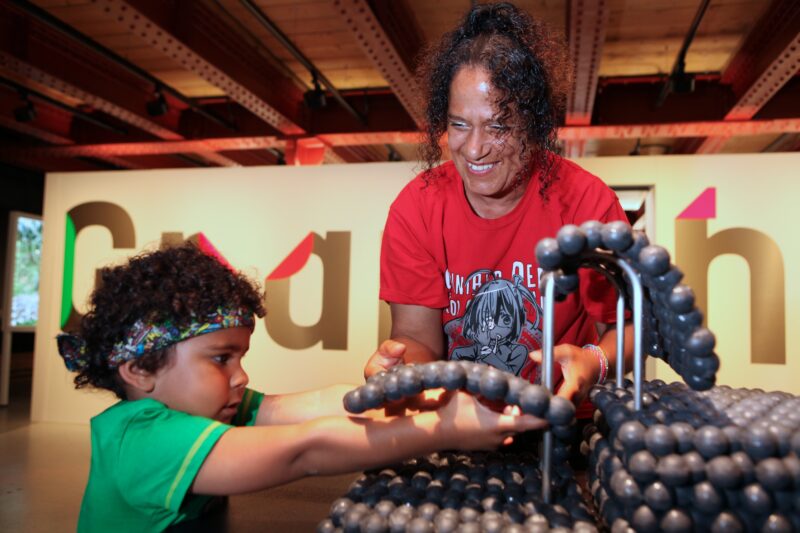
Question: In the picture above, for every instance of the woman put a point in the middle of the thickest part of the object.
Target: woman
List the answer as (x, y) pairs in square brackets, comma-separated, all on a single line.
[(494, 87)]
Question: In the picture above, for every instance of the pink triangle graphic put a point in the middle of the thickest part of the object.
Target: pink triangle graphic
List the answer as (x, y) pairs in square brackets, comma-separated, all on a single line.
[(703, 207)]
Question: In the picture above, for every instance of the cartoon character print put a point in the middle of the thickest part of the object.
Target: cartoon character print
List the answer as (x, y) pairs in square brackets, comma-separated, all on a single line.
[(495, 328)]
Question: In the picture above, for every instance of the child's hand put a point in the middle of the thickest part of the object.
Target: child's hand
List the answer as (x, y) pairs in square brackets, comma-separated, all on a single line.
[(470, 425)]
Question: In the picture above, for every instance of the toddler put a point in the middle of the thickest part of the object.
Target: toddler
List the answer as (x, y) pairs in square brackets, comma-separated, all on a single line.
[(167, 333)]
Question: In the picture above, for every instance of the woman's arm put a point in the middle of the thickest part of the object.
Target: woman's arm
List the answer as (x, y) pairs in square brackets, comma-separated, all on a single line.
[(253, 458), (417, 337)]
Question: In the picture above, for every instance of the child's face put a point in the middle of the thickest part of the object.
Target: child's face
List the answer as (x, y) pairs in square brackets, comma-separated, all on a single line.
[(205, 376)]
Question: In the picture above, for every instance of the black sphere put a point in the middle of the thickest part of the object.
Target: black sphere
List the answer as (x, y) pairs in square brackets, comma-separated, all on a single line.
[(432, 374), (773, 474), (644, 520), (617, 236), (654, 260), (681, 299), (701, 343), (710, 441), (548, 254), (707, 499), (756, 500), (673, 470), (410, 380), (658, 496), (561, 411), (660, 440), (493, 384), (571, 239), (726, 522), (353, 403), (642, 466), (594, 234), (676, 521), (453, 375), (760, 443), (372, 395), (723, 472), (534, 400)]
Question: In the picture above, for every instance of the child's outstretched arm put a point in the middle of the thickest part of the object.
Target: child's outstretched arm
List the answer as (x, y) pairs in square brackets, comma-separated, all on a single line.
[(300, 407), (253, 458)]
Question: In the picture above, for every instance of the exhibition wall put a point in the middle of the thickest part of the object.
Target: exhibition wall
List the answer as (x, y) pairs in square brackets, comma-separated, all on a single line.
[(311, 235)]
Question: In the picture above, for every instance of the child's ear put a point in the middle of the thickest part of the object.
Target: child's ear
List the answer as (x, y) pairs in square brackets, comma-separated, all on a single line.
[(137, 377)]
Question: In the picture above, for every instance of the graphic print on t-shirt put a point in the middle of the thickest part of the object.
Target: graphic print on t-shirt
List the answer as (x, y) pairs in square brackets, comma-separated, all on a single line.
[(501, 324)]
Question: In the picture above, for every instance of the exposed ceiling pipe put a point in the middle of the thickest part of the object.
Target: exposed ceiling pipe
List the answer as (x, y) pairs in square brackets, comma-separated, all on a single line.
[(678, 74), (316, 74), (55, 103), (45, 17)]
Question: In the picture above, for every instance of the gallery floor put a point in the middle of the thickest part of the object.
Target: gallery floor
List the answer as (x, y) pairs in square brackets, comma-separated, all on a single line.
[(43, 470)]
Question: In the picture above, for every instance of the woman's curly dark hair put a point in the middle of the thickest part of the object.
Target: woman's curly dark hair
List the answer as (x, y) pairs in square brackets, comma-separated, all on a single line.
[(173, 284), (528, 68)]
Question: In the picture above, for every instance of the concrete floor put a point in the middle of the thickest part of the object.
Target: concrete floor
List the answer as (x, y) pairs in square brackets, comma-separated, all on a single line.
[(44, 466)]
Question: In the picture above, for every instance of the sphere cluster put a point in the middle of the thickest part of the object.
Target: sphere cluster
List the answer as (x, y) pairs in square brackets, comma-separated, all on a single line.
[(719, 460), (405, 381), (672, 324), (464, 492)]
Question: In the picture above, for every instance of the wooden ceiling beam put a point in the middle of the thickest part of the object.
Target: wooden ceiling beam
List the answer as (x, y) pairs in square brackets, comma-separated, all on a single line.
[(379, 47), (587, 23), (31, 51), (571, 133), (767, 60), (190, 33)]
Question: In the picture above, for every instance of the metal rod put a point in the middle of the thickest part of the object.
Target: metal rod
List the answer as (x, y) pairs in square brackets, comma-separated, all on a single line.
[(547, 364), (638, 363), (45, 17), (680, 61), (620, 361), (289, 45), (55, 103)]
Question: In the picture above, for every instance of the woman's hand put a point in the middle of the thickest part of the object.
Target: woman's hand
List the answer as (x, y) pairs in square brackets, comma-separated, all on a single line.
[(388, 354), (469, 425), (580, 368)]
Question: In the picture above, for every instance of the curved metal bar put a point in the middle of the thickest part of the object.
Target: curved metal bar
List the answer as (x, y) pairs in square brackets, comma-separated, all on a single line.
[(549, 286), (638, 363), (620, 359)]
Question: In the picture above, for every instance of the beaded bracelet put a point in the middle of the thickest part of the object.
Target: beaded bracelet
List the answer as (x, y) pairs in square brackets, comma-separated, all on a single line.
[(602, 358)]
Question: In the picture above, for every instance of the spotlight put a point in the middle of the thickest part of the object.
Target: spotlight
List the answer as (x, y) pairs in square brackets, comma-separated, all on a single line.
[(158, 105), (315, 98), (682, 83), (26, 112)]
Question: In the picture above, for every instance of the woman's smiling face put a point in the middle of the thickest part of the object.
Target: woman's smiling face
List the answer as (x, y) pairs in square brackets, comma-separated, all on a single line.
[(484, 150)]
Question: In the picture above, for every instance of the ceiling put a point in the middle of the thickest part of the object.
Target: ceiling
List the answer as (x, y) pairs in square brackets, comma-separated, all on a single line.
[(98, 84)]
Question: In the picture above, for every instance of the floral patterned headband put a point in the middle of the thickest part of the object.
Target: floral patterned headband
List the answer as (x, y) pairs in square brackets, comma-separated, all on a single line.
[(144, 338)]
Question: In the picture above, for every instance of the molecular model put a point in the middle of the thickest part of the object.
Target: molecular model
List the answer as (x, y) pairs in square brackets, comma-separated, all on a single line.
[(661, 457)]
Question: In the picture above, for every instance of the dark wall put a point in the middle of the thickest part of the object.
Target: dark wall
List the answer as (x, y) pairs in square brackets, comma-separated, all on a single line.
[(20, 190)]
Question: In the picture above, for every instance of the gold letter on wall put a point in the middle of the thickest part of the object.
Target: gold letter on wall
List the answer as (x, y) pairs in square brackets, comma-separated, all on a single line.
[(331, 328), (694, 251)]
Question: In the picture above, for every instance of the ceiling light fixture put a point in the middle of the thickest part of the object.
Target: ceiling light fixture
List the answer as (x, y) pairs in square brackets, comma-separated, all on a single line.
[(158, 105), (315, 98), (27, 111)]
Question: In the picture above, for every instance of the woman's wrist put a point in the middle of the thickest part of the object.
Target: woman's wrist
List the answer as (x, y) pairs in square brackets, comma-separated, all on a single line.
[(602, 361)]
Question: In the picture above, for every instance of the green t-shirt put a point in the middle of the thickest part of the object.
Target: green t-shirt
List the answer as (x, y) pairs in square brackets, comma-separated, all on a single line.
[(145, 457)]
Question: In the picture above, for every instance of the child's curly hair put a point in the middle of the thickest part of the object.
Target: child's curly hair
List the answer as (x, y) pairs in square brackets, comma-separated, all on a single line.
[(528, 67), (174, 284)]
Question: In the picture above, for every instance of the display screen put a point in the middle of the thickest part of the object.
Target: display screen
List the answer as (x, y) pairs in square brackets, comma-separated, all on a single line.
[(25, 287)]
